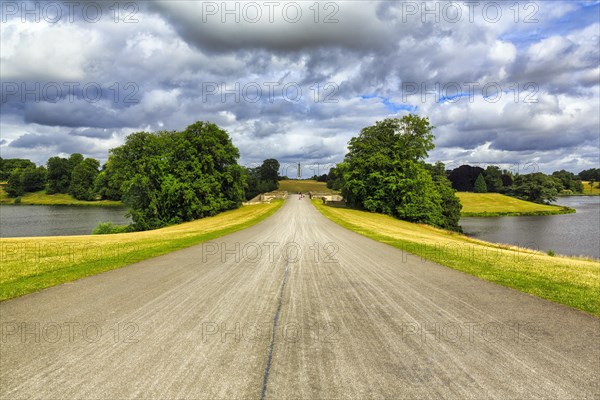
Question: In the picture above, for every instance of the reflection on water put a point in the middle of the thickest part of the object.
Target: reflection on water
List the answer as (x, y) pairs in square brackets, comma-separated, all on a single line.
[(570, 234), (20, 221)]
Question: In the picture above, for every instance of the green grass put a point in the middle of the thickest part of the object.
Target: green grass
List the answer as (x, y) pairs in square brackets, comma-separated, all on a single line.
[(590, 190), (41, 198), (295, 186), (571, 281), (31, 264), (496, 204)]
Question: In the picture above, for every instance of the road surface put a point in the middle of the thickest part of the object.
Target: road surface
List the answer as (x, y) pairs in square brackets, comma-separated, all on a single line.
[(293, 307)]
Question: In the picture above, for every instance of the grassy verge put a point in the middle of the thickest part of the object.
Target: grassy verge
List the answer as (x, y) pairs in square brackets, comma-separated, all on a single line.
[(566, 280), (41, 198), (31, 264), (496, 204), (295, 186)]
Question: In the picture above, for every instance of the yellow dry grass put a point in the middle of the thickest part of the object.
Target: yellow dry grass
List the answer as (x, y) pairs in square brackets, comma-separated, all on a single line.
[(29, 264), (568, 280)]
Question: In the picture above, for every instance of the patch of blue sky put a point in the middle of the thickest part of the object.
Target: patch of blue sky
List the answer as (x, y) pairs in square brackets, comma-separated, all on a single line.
[(390, 105), (584, 14)]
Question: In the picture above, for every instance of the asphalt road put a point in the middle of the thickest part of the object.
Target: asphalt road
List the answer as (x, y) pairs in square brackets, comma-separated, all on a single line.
[(293, 307)]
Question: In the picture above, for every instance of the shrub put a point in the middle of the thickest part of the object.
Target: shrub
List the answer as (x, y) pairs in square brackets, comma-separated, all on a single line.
[(107, 228)]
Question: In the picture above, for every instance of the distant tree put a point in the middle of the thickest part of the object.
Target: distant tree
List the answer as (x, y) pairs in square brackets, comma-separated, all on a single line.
[(480, 186), (75, 159), (451, 205), (14, 187), (107, 185), (83, 179), (322, 178), (335, 178), (493, 179), (34, 179), (592, 174), (536, 187), (463, 178), (567, 181), (269, 171), (30, 179), (8, 165), (262, 179), (507, 180), (59, 175)]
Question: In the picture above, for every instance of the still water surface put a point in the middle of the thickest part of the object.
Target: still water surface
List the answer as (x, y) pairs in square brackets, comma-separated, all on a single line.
[(568, 234), (19, 221)]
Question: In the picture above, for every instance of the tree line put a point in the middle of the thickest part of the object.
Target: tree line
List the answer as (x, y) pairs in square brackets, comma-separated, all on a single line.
[(536, 187), (163, 178)]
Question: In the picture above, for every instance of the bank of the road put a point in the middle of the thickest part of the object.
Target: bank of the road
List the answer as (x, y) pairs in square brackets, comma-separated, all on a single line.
[(32, 264), (571, 281)]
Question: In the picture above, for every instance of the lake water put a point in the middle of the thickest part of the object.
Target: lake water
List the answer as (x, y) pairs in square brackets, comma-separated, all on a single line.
[(568, 234), (19, 221)]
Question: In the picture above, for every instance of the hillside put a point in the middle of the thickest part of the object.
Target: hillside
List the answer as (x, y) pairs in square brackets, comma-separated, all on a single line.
[(295, 186), (496, 204)]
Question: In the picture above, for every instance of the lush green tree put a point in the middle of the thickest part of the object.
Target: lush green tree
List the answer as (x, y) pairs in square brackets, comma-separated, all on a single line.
[(384, 172), (171, 177), (507, 180), (7, 166), (269, 171), (592, 174), (14, 187), (451, 205), (463, 178), (106, 184), (480, 186), (29, 179), (262, 179), (567, 181), (536, 187), (493, 179), (59, 175), (335, 178), (34, 179), (83, 178), (75, 159)]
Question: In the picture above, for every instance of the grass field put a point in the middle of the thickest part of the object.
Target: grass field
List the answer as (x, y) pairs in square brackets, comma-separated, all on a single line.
[(31, 264), (496, 204), (295, 186), (566, 280), (591, 190), (41, 198)]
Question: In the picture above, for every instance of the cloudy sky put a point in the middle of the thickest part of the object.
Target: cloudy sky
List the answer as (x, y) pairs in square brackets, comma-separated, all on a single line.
[(504, 83)]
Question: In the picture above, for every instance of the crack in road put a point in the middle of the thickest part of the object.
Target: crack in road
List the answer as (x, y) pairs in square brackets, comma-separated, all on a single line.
[(263, 393)]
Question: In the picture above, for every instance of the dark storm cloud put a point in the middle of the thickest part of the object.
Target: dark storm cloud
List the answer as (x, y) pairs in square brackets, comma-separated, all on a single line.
[(76, 114), (34, 140), (520, 141), (170, 54), (93, 133), (350, 26)]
